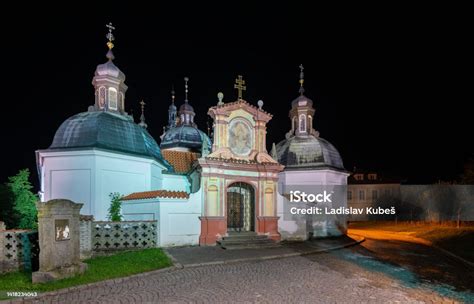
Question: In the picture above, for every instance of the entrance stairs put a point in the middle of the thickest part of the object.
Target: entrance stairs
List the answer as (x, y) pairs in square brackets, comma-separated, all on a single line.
[(246, 240)]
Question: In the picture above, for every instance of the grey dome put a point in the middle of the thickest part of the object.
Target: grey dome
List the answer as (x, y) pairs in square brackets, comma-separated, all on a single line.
[(184, 136), (301, 98), (186, 107), (109, 69), (308, 152), (108, 131)]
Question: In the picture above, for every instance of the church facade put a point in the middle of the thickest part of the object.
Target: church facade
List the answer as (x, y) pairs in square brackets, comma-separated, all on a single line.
[(200, 188)]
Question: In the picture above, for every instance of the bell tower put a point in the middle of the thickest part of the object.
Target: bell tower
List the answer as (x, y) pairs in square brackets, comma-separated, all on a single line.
[(109, 82), (301, 113)]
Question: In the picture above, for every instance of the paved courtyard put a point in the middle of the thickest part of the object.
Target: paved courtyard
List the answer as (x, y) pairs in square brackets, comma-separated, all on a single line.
[(351, 275)]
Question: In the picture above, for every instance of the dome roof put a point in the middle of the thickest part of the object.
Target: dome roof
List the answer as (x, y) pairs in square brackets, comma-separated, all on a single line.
[(186, 107), (301, 98), (109, 69), (184, 136), (108, 131), (308, 152)]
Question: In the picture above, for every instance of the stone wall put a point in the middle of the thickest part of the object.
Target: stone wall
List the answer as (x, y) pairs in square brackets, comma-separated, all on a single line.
[(100, 236), (11, 253)]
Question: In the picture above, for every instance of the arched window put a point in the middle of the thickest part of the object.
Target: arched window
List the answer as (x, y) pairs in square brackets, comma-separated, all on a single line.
[(302, 123), (122, 101), (112, 99), (101, 97), (310, 121), (293, 127)]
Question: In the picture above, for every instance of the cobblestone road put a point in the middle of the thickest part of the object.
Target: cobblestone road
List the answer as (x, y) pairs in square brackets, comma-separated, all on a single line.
[(321, 278)]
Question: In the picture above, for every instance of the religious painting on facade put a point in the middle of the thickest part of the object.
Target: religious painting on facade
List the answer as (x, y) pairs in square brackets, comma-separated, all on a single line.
[(240, 138), (62, 230)]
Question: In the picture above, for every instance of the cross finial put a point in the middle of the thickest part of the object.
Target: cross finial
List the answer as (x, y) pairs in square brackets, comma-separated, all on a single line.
[(186, 79), (142, 117), (301, 91), (110, 35), (172, 95), (240, 86)]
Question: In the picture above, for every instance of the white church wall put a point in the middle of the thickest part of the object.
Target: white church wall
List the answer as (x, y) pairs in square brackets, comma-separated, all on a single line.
[(69, 177), (175, 182), (156, 176), (298, 228), (89, 176), (178, 219)]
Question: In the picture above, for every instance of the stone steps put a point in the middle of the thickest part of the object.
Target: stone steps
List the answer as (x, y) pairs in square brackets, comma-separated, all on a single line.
[(246, 240)]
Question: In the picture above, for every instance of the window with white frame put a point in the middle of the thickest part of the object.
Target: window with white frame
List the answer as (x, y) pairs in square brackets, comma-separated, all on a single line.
[(112, 99), (302, 123), (101, 97)]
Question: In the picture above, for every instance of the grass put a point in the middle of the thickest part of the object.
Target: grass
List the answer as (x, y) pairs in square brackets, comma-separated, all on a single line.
[(100, 268), (458, 241)]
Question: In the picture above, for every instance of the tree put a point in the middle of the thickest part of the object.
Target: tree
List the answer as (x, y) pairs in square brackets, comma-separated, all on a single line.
[(115, 207), (7, 214), (23, 200)]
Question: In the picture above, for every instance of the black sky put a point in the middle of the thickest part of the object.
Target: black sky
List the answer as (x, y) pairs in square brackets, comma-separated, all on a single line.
[(388, 84)]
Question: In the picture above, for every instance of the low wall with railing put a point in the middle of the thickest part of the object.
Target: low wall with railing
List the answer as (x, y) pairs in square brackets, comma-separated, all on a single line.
[(11, 251), (100, 236)]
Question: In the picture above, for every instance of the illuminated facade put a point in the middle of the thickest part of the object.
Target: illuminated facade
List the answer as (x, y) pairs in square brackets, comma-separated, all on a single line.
[(239, 177), (199, 190)]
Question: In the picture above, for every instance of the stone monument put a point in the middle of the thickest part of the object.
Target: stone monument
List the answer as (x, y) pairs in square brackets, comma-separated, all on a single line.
[(58, 234)]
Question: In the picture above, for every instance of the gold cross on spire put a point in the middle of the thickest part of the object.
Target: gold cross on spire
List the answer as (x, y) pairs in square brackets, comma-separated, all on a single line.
[(142, 103), (110, 36), (240, 86)]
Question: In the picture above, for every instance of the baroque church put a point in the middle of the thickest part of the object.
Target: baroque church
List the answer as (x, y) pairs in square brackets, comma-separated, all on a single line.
[(199, 189)]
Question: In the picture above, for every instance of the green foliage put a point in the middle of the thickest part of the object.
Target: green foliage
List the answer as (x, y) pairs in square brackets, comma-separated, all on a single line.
[(7, 214), (100, 268), (115, 207), (23, 200)]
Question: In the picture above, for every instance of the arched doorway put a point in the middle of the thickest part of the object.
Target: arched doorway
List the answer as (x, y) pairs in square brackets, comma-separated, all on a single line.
[(240, 207)]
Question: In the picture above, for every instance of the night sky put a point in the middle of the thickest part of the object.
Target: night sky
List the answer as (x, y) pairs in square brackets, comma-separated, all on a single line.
[(388, 87)]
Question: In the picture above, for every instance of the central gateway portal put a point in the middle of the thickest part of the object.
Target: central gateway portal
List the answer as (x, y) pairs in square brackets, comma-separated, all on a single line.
[(239, 179), (240, 207)]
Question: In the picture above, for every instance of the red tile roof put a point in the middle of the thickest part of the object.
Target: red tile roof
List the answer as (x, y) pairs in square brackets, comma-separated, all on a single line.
[(180, 160), (156, 194)]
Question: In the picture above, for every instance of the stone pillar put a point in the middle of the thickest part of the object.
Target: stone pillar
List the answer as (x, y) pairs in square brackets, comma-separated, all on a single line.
[(268, 225), (59, 242), (85, 232), (212, 228)]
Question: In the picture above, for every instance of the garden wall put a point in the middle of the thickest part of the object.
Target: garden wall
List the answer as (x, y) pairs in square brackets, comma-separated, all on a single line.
[(98, 237), (11, 253)]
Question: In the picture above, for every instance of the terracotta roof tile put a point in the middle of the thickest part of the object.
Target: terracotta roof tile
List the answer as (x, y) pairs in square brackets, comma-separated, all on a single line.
[(156, 194), (180, 160)]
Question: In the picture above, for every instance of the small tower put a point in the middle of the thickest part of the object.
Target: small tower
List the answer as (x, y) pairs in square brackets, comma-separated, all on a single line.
[(301, 113), (186, 111), (109, 82), (142, 117), (172, 111)]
